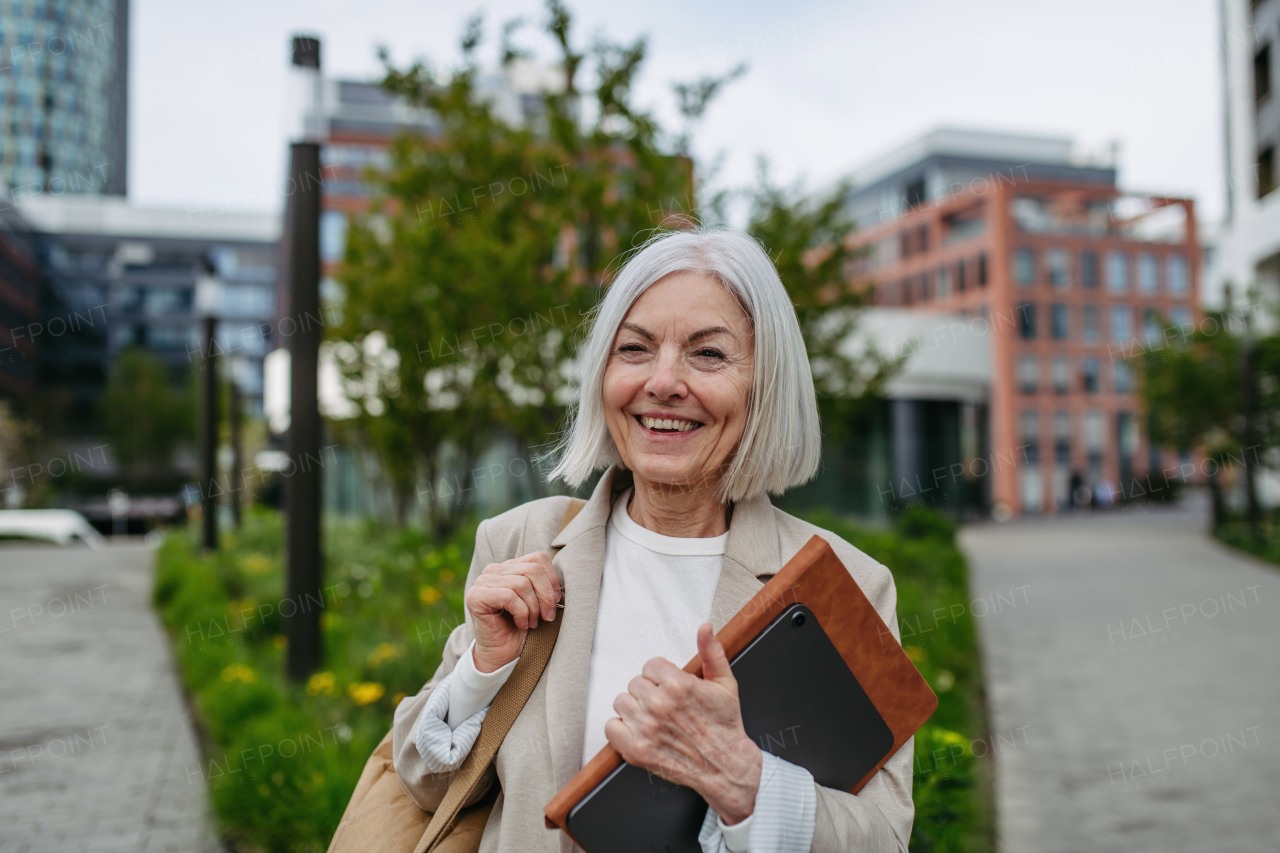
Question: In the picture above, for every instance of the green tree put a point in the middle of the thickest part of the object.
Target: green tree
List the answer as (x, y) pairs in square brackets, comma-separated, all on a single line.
[(488, 242), (142, 414), (807, 238), (1193, 397)]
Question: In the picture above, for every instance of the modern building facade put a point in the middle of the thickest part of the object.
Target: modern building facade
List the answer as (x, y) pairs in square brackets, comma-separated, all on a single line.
[(19, 304), (116, 275), (1247, 249), (64, 96), (1067, 278)]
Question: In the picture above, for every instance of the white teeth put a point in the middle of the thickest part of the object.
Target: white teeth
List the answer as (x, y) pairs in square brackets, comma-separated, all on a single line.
[(668, 423)]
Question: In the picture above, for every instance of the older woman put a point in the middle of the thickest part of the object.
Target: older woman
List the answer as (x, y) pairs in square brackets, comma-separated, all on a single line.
[(697, 398)]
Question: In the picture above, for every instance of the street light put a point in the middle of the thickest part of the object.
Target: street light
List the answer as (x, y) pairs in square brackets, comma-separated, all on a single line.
[(208, 302), (302, 488)]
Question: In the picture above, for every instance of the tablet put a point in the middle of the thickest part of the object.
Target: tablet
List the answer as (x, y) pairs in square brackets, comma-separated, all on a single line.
[(799, 702)]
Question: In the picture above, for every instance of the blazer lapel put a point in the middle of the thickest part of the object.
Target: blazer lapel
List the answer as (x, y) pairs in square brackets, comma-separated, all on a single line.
[(751, 555), (581, 566)]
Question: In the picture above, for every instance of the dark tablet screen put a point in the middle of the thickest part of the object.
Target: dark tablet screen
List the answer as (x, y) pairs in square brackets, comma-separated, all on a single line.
[(799, 702)]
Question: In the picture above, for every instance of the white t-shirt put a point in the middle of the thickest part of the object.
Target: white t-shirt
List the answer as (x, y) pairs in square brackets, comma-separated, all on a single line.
[(655, 592)]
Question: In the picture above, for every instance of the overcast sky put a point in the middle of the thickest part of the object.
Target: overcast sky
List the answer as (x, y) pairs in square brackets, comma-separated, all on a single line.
[(830, 84)]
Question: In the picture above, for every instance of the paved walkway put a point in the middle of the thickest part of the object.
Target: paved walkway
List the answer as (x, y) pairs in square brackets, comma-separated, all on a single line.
[(95, 741), (1133, 673)]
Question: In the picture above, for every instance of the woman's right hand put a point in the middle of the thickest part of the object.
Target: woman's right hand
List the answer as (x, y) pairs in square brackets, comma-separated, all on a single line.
[(506, 601)]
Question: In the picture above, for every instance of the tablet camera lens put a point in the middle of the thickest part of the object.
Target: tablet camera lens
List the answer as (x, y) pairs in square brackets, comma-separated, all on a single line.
[(797, 620)]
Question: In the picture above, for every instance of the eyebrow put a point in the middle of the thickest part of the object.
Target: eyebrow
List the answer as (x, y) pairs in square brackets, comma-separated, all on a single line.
[(698, 335), (713, 330)]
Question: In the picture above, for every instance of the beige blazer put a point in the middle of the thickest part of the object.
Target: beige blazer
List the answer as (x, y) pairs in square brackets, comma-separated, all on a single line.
[(544, 748)]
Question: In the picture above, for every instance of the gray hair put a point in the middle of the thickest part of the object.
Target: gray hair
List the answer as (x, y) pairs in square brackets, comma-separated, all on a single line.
[(781, 443)]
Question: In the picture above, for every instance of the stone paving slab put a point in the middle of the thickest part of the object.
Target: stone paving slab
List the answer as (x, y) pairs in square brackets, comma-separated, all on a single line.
[(95, 740), (1133, 670)]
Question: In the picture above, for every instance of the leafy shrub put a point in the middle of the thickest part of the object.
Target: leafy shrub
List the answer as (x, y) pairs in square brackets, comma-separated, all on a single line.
[(280, 759)]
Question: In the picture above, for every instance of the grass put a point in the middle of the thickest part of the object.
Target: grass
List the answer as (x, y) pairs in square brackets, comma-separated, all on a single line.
[(280, 760), (1235, 531)]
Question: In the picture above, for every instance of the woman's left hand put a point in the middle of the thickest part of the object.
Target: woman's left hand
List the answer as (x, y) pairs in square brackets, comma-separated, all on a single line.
[(688, 730)]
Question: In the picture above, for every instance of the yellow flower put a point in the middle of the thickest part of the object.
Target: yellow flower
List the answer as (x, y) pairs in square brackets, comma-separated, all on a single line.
[(279, 641), (395, 700), (322, 682), (239, 672), (429, 594), (365, 692), (384, 652), (446, 576), (917, 654), (255, 564)]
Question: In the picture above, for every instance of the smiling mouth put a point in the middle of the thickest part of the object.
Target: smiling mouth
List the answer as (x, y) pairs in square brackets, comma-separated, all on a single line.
[(667, 425)]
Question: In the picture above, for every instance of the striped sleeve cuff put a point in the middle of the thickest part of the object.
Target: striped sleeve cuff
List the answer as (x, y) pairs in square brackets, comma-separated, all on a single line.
[(450, 721), (443, 749), (783, 820)]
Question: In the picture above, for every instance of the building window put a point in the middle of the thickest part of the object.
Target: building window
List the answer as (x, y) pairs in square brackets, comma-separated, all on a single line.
[(1182, 322), (982, 270), (1089, 371), (1266, 170), (1151, 325), (1062, 436), (1179, 284), (1059, 272), (1061, 374), (1088, 269), (1026, 320), (1118, 272), (925, 294), (1024, 267), (1058, 322), (1095, 440), (333, 235), (1031, 436), (1028, 374), (960, 282), (922, 242), (1262, 74), (915, 193), (1089, 324), (944, 282), (1123, 378), (1032, 490), (1121, 323), (1147, 280), (1126, 436)]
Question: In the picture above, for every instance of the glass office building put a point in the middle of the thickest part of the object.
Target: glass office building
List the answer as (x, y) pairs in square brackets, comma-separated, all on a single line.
[(64, 96)]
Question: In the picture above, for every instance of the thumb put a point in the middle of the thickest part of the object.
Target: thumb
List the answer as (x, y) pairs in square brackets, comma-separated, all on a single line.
[(715, 664)]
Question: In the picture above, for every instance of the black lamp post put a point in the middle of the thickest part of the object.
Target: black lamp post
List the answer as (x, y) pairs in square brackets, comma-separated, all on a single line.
[(207, 298), (302, 490)]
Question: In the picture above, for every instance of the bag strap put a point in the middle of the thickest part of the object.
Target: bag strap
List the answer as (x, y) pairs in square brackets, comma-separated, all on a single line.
[(506, 706)]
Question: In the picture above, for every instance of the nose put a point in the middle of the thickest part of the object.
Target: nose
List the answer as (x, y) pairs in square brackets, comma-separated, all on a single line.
[(667, 382)]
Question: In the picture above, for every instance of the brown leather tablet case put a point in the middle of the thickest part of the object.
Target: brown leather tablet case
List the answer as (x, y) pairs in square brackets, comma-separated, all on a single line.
[(816, 578)]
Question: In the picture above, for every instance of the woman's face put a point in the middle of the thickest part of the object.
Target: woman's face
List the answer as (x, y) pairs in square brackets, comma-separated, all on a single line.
[(677, 380)]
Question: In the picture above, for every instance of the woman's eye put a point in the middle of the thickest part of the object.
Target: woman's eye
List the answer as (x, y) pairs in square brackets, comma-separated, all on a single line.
[(707, 352), (630, 348)]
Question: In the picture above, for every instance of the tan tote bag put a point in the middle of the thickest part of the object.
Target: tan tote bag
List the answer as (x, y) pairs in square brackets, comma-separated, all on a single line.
[(382, 818)]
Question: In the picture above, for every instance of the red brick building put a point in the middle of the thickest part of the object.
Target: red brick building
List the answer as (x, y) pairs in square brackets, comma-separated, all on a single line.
[(1067, 277)]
